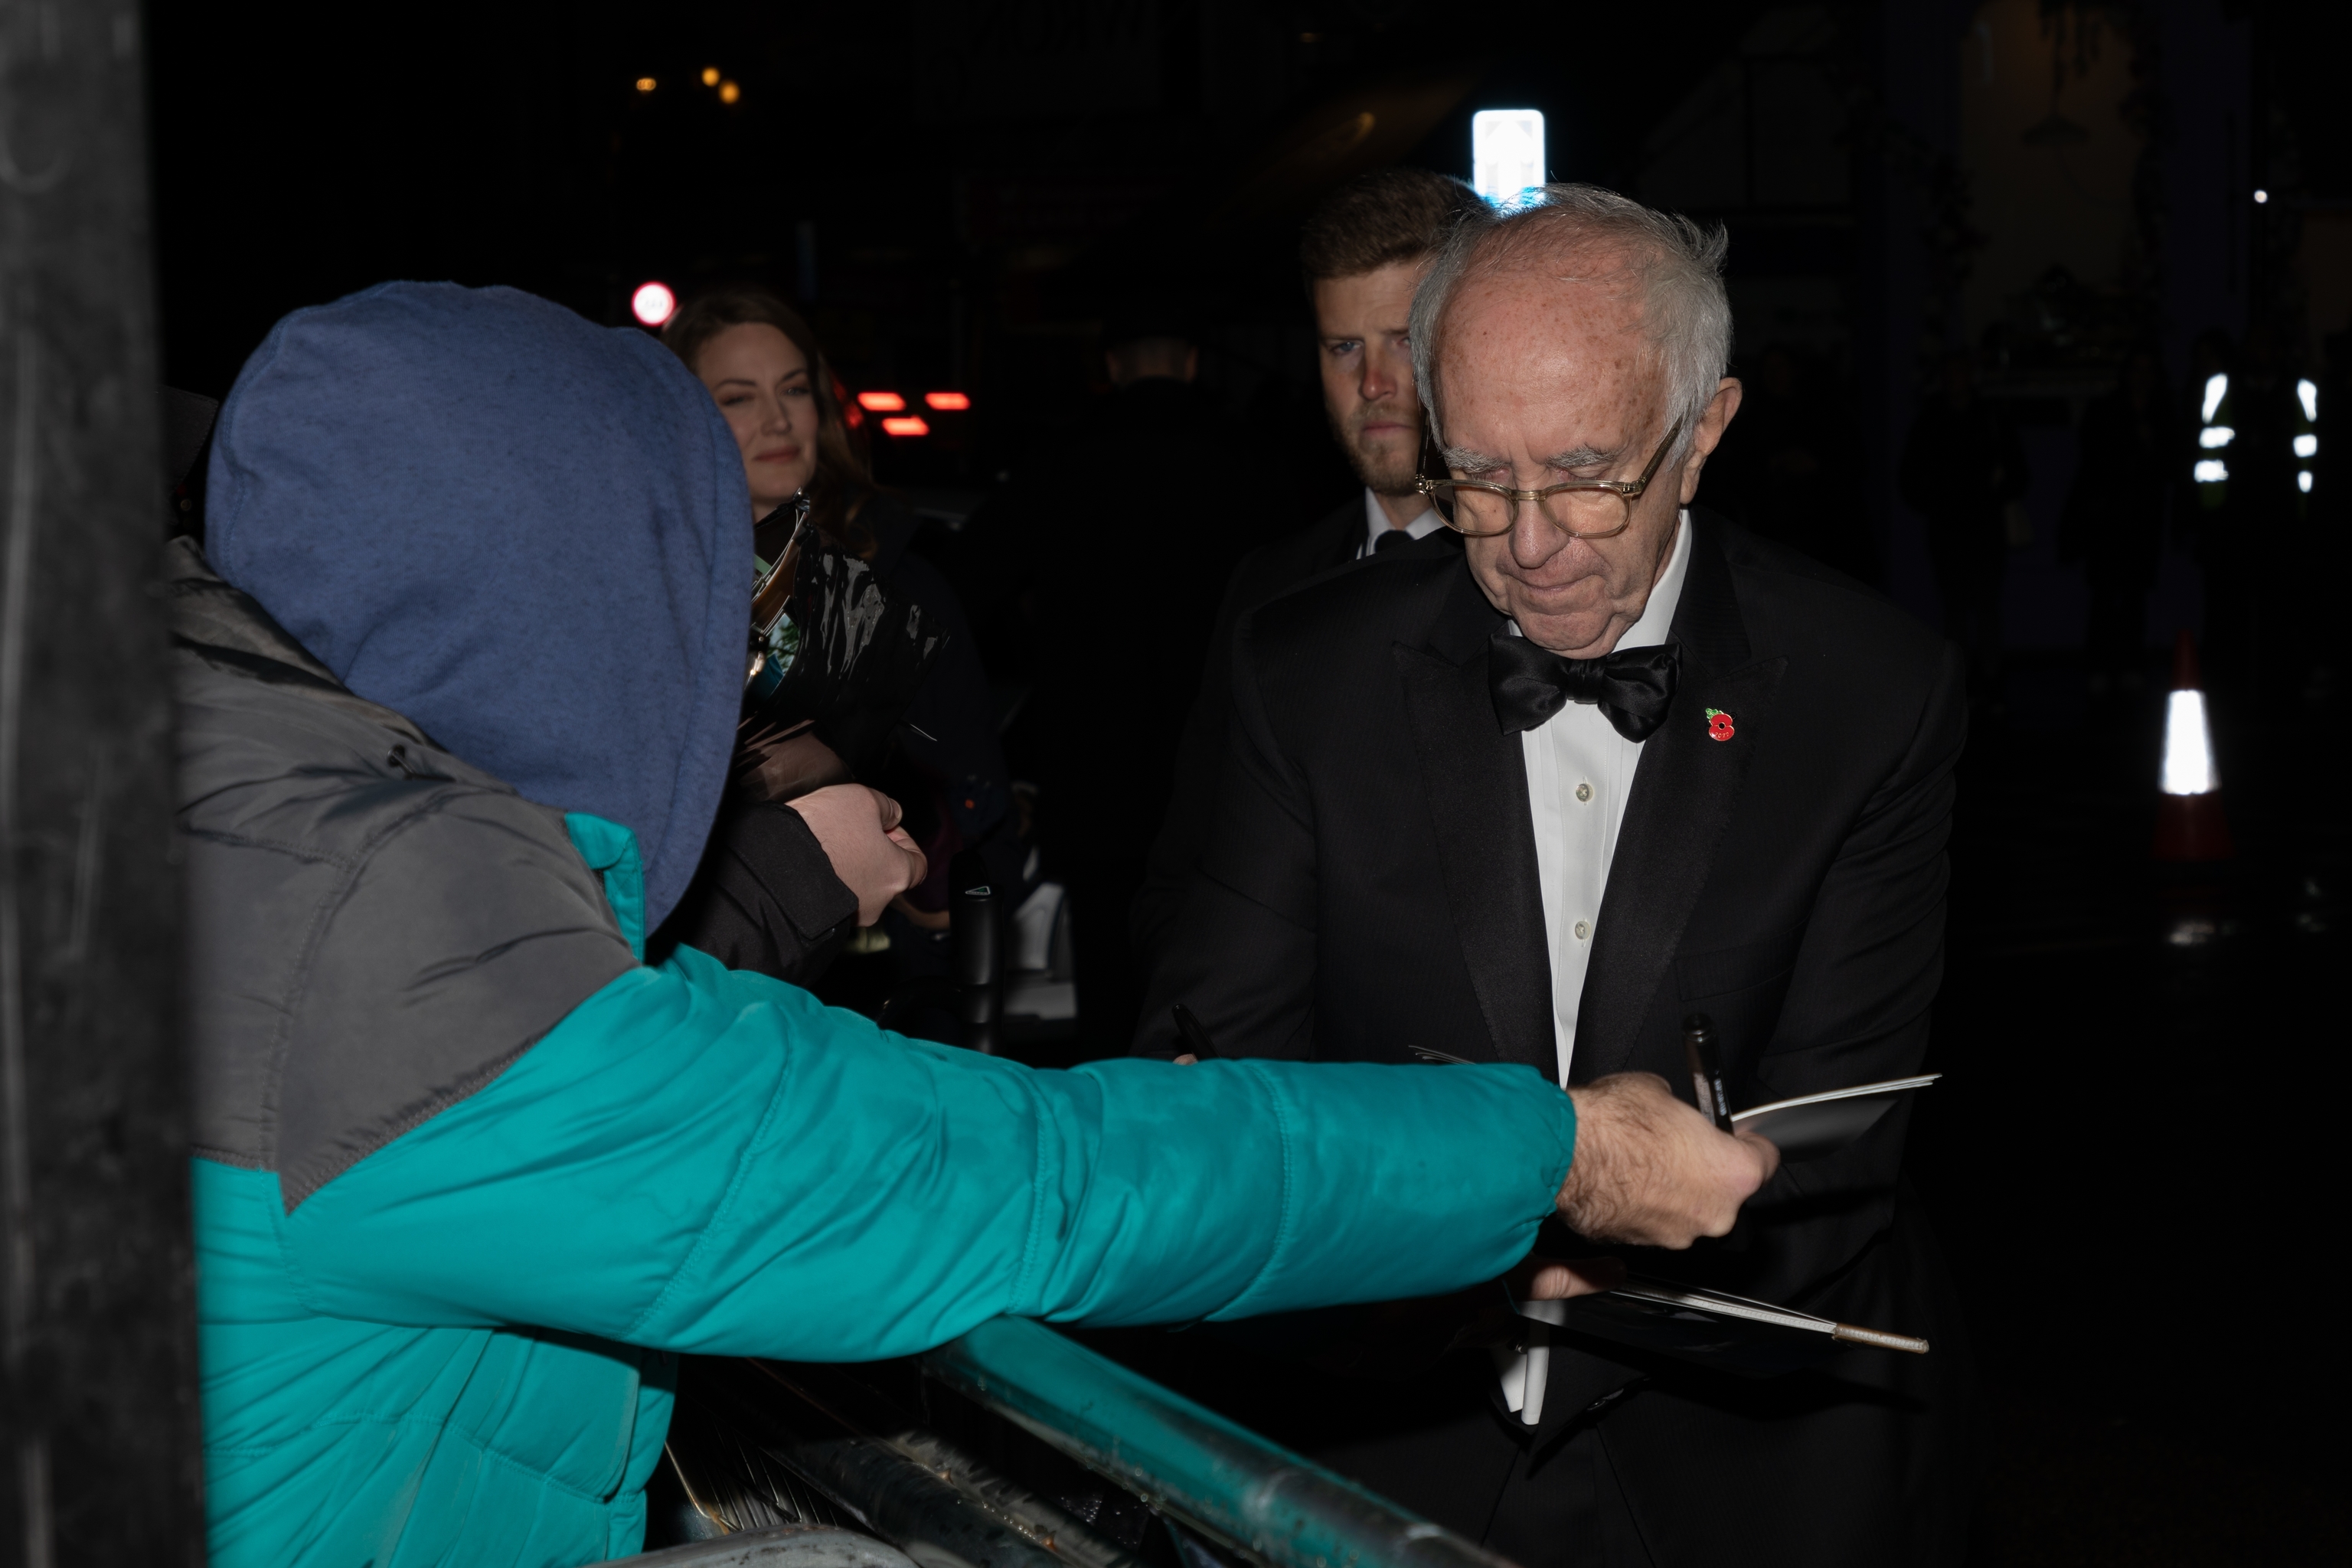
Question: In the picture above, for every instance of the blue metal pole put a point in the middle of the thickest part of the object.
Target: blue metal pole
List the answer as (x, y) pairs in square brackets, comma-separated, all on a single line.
[(1215, 1475)]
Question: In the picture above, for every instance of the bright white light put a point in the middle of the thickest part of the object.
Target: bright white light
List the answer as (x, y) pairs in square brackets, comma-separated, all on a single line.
[(2302, 480), (2310, 397), (2211, 471), (2217, 387), (1506, 153), (2306, 445), (2260, 196), (2215, 435), (652, 303), (2189, 747)]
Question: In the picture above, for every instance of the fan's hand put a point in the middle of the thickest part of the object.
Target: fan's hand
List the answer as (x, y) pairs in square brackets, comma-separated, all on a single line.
[(1651, 1170), (858, 829)]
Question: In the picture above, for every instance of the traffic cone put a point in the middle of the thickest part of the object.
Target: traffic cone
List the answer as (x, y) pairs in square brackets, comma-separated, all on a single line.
[(2190, 822)]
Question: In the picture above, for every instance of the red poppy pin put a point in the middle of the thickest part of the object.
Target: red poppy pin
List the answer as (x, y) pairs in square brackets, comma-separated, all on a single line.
[(1718, 724)]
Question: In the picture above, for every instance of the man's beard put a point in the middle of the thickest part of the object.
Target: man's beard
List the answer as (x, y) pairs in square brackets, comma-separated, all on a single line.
[(1384, 473)]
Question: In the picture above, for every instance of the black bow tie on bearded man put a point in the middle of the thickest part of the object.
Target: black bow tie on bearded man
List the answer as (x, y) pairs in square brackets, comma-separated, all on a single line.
[(1635, 686)]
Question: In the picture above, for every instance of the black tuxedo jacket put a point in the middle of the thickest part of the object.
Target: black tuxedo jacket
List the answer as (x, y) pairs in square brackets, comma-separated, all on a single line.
[(1371, 885), (1266, 573)]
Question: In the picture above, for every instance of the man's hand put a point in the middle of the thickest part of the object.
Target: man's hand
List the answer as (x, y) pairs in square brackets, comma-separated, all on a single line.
[(1651, 1170), (858, 829)]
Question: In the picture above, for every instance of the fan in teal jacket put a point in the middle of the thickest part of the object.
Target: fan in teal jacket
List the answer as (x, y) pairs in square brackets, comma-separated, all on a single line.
[(459, 669)]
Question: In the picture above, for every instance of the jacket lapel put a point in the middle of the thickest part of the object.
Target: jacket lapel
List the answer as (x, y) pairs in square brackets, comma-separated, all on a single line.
[(1340, 531), (1477, 784), (1683, 792)]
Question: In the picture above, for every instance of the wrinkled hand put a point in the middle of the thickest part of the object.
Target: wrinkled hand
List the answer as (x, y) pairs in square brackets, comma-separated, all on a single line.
[(858, 829), (1651, 1170)]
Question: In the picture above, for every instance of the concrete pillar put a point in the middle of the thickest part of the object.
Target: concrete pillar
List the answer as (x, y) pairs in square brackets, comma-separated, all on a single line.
[(99, 1435)]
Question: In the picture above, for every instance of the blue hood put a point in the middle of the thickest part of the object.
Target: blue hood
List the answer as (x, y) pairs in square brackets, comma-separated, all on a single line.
[(527, 533)]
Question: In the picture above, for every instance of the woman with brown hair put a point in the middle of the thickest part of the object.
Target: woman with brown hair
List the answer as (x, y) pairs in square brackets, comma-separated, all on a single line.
[(941, 756), (763, 365)]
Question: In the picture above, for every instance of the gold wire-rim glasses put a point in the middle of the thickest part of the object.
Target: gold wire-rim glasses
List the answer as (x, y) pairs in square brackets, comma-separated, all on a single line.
[(1442, 494)]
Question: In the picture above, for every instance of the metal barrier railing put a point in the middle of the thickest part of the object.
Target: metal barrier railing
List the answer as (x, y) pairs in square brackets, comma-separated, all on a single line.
[(1026, 1449), (1215, 1476)]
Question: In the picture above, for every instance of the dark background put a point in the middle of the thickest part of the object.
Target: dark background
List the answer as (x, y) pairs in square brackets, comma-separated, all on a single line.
[(2133, 1160)]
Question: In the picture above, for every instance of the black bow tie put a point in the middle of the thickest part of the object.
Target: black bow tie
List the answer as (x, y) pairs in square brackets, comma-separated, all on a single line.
[(1635, 686)]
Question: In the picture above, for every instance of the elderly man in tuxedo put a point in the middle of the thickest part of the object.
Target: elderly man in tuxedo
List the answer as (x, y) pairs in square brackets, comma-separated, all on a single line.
[(1536, 798)]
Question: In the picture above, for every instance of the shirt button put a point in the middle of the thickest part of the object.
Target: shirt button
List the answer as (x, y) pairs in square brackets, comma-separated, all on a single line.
[(1584, 792), (1583, 930)]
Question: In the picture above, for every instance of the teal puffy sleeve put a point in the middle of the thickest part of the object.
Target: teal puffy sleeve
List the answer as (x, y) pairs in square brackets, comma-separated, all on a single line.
[(697, 1159)]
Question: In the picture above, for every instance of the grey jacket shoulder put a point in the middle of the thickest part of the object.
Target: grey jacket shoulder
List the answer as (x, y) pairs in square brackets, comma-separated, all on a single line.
[(376, 929)]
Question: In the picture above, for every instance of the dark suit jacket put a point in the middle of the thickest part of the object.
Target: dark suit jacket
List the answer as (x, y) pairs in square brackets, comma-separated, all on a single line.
[(1371, 885), (1266, 573)]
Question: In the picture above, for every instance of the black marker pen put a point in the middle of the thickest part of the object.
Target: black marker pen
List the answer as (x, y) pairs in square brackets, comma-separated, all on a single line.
[(1706, 1069)]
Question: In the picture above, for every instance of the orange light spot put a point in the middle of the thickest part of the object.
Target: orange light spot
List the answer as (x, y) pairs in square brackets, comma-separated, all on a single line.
[(906, 425), (881, 402), (948, 400), (711, 75), (644, 84), (729, 92)]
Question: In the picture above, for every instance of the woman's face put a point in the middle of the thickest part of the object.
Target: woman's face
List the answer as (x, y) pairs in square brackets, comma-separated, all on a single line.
[(763, 383)]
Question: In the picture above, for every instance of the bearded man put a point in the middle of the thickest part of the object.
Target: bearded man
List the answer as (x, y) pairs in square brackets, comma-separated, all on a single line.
[(1610, 763), (1360, 253)]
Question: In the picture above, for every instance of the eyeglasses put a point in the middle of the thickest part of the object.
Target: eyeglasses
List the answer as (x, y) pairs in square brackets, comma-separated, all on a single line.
[(1582, 509)]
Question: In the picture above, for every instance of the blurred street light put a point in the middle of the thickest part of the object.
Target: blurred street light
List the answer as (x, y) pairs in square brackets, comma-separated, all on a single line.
[(653, 304)]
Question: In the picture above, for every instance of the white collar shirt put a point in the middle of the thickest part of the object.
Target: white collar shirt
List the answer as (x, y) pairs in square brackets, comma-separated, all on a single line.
[(1579, 772), (1376, 523)]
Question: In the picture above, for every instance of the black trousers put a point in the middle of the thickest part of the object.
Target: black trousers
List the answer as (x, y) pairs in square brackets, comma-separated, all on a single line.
[(1867, 1460), (1111, 981)]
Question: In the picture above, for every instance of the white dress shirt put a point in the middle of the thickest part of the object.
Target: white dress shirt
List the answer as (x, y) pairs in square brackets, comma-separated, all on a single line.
[(1579, 771), (1376, 522)]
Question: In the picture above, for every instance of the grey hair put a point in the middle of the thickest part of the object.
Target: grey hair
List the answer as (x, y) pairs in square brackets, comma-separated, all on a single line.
[(1678, 263)]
